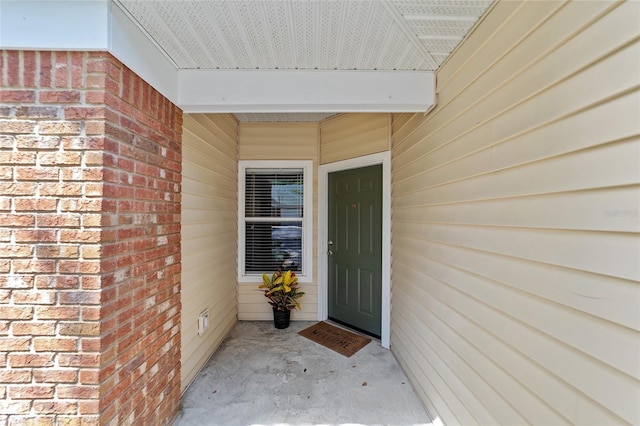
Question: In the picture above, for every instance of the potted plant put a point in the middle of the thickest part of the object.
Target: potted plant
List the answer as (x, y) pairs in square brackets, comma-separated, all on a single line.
[(283, 292)]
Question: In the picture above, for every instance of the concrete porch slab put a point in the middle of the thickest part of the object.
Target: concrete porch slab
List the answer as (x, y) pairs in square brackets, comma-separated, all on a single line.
[(264, 376)]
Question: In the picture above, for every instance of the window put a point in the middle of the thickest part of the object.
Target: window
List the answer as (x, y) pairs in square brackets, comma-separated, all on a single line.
[(275, 210)]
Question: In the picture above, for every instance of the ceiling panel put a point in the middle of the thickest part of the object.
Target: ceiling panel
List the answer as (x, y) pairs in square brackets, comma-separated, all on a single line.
[(306, 34)]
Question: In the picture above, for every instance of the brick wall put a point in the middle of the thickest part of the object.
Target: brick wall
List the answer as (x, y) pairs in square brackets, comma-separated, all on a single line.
[(90, 179)]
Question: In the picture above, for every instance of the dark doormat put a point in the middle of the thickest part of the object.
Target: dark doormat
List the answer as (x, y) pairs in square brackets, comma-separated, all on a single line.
[(342, 341)]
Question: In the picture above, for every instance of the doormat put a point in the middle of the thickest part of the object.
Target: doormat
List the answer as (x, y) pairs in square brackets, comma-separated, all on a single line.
[(342, 341)]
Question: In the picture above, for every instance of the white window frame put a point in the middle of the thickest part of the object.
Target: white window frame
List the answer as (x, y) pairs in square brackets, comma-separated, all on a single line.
[(307, 220)]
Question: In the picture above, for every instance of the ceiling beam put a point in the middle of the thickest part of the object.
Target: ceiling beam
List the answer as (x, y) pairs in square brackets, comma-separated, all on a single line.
[(305, 91)]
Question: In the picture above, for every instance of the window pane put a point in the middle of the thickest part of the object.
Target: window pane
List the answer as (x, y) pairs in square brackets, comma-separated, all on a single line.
[(273, 245), (274, 193)]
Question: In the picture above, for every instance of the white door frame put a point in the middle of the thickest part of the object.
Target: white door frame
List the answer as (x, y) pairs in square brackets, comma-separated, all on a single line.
[(383, 158)]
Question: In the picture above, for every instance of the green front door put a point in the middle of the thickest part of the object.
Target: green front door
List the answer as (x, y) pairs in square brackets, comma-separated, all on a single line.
[(355, 248)]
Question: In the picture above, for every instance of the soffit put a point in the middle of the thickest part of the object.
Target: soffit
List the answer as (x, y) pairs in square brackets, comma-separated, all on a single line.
[(303, 34), (345, 35)]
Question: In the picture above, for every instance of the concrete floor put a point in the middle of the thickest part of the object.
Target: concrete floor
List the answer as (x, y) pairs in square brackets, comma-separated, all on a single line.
[(264, 376)]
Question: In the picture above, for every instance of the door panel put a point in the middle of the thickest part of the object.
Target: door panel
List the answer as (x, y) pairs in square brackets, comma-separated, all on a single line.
[(355, 232)]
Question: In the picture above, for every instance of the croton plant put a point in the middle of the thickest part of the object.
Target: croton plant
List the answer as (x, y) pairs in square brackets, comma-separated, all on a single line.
[(282, 290)]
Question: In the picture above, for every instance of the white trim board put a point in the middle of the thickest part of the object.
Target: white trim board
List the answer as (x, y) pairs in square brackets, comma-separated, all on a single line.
[(383, 158), (308, 91)]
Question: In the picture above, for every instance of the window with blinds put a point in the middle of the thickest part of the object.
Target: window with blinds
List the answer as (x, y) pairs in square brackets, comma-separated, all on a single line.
[(273, 220)]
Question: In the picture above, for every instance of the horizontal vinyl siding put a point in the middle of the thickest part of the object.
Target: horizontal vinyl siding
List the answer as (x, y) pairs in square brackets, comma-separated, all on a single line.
[(349, 136), (209, 223), (516, 246), (280, 141)]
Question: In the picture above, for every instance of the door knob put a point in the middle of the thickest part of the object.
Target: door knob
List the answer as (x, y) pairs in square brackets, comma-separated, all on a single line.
[(329, 253), (330, 242)]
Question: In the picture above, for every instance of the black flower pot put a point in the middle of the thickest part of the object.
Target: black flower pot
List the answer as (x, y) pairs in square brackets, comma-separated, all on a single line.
[(281, 318)]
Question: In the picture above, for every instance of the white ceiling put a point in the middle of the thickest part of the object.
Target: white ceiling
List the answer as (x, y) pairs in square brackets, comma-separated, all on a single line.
[(363, 35)]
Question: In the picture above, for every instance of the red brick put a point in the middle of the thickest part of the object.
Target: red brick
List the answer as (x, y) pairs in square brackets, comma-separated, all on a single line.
[(5, 204), (60, 159), (57, 251), (79, 360), (58, 221), (77, 69), (89, 376), (84, 113), (58, 127), (17, 126), (90, 313), (55, 407), (36, 112), (16, 281), (91, 282), (84, 205), (17, 189), (33, 328), (12, 344), (80, 392), (45, 69), (58, 313), (61, 70), (17, 96), (86, 144), (50, 375), (80, 329), (106, 214), (60, 96), (30, 360), (6, 173), (29, 74), (36, 205), (50, 344), (57, 281), (79, 267), (94, 159), (13, 67), (15, 376), (89, 344), (14, 250), (17, 158), (31, 421), (39, 142), (74, 235), (79, 297), (31, 392), (37, 173), (13, 313), (14, 220), (91, 251), (39, 297), (94, 127), (21, 266)]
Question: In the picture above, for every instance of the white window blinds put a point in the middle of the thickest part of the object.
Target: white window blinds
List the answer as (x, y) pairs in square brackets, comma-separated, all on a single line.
[(273, 220)]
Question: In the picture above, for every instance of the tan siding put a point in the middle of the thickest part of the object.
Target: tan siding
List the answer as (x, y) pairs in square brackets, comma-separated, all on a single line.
[(516, 281), (353, 135), (209, 220), (280, 141)]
